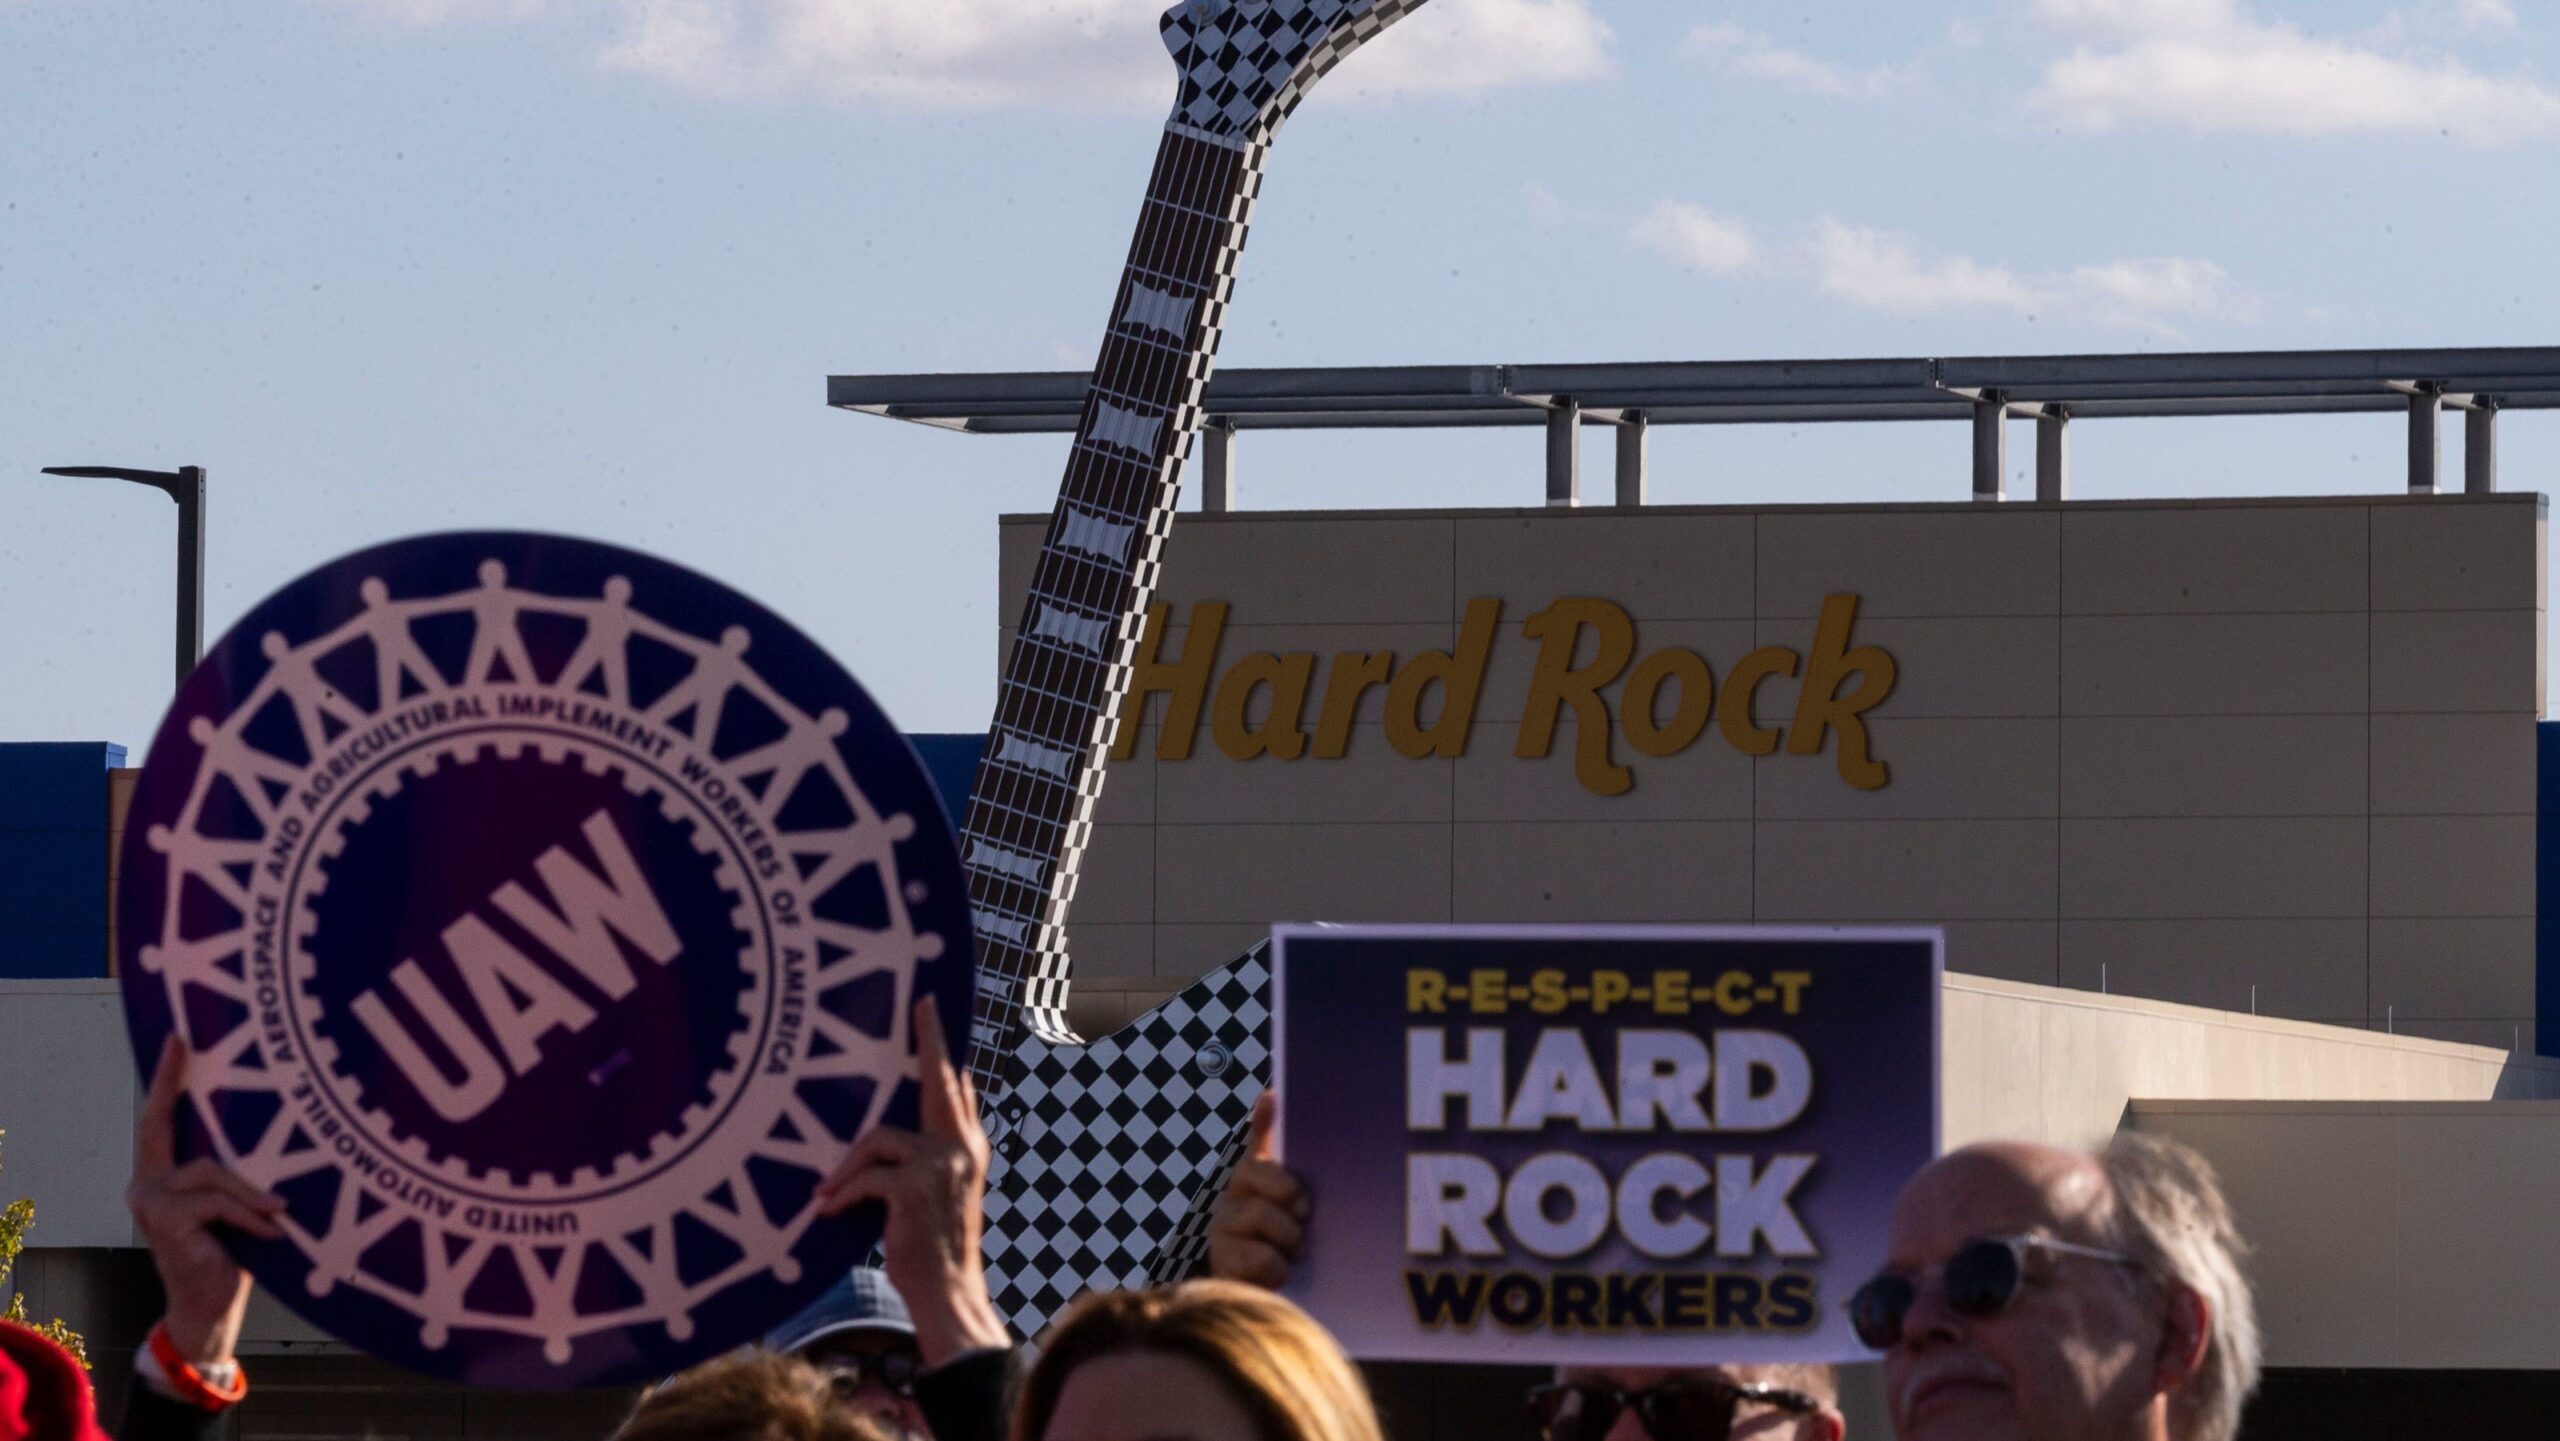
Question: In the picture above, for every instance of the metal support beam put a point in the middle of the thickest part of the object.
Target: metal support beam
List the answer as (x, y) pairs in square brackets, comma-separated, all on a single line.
[(1564, 452), (189, 493), (1990, 456), (1218, 466), (2480, 447), (1633, 431), (2426, 454), (2053, 453)]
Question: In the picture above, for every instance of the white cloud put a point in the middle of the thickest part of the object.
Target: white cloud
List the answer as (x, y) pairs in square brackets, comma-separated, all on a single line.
[(422, 13), (1687, 235), (2488, 15), (988, 53), (1546, 208), (2210, 65), (1884, 270), (1731, 49)]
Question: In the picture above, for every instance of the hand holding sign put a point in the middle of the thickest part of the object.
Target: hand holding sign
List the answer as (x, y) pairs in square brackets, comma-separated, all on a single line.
[(176, 1207), (1260, 1223), (932, 1182)]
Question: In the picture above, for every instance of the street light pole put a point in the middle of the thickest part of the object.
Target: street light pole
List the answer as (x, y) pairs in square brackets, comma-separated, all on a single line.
[(184, 485)]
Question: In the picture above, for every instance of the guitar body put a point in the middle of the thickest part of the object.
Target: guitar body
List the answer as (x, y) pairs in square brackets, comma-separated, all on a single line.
[(1105, 1153)]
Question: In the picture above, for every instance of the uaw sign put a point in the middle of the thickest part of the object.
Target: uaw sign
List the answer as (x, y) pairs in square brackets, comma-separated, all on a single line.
[(546, 921), (1644, 1146)]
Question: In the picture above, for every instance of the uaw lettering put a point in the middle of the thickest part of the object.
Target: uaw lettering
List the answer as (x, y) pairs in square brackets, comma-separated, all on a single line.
[(1604, 1145), (548, 921), (1661, 702)]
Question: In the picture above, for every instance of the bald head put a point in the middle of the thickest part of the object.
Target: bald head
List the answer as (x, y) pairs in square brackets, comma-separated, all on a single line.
[(1998, 1188)]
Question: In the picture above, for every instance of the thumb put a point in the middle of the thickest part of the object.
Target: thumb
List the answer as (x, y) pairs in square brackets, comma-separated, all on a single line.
[(1262, 1142)]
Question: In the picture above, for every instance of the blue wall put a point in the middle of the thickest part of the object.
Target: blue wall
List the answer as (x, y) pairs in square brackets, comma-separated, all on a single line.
[(53, 858), (2546, 900), (953, 762)]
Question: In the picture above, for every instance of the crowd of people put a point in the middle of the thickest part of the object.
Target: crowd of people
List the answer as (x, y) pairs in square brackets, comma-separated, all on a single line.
[(2030, 1294)]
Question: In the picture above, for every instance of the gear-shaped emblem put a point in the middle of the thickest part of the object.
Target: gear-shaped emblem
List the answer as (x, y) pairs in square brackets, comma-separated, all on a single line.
[(546, 921)]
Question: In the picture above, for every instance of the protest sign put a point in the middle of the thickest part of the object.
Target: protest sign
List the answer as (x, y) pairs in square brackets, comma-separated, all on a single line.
[(1600, 1145), (546, 922)]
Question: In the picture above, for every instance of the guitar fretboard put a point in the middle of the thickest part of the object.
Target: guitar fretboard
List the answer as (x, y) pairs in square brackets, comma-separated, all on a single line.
[(1031, 809)]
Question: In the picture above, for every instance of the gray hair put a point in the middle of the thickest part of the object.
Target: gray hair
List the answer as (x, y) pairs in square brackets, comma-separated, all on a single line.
[(2174, 1220)]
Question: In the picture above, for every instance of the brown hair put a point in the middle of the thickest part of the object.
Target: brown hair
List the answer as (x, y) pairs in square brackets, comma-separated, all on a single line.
[(1270, 1356), (749, 1396)]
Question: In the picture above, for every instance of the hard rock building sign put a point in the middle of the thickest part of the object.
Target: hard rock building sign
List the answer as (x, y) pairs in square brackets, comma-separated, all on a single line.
[(546, 921)]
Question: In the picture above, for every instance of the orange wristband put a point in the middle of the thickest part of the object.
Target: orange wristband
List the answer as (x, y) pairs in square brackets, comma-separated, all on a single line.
[(188, 1382)]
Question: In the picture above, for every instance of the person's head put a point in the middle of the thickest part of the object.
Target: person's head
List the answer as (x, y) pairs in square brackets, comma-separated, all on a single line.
[(747, 1396), (862, 1336), (1690, 1403), (2034, 1294), (1202, 1361)]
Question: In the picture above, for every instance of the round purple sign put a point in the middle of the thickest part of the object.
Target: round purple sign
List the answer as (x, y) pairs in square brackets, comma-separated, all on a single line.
[(546, 921)]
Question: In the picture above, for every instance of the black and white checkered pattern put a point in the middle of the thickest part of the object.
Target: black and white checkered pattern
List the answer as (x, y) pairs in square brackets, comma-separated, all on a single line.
[(1108, 1147), (1247, 63)]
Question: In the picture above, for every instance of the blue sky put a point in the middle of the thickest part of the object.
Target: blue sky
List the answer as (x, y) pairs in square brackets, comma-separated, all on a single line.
[(389, 266)]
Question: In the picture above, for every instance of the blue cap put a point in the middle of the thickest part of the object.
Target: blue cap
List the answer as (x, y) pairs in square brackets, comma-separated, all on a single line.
[(863, 1301)]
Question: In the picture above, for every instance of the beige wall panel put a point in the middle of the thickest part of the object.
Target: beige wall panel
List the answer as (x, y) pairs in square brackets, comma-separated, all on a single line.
[(2182, 561), (1628, 871), (1266, 873), (1719, 642), (1109, 952), (1185, 953), (1660, 567), (2213, 665), (2454, 764), (1093, 1013), (1116, 882), (2213, 765), (2464, 660), (2458, 554), (2453, 968), (67, 1099), (1708, 781), (2005, 950), (1912, 562), (1129, 787), (1279, 572), (1369, 782), (1940, 770), (2224, 868), (1018, 540), (1884, 870), (2475, 1191), (2311, 970), (2306, 1193), (2000, 666), (2453, 866)]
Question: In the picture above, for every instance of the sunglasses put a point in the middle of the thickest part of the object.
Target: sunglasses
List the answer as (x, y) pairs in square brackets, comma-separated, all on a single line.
[(1672, 1411), (1980, 1279), (849, 1371)]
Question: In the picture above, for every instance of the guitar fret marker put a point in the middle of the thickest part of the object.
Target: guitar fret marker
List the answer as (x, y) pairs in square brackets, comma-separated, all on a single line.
[(1156, 310), (1127, 429), (989, 855), (1093, 535), (1082, 632), (1020, 751)]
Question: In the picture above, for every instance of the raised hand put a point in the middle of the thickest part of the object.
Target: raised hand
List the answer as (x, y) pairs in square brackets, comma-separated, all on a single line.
[(1260, 1224), (176, 1208), (933, 1181)]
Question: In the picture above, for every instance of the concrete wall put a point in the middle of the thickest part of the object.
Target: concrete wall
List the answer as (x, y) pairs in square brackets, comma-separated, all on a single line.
[(2391, 1234), (2200, 751)]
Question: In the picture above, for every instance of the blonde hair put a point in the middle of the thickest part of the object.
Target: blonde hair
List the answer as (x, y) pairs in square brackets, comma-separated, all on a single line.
[(2175, 1221), (1270, 1356), (748, 1396)]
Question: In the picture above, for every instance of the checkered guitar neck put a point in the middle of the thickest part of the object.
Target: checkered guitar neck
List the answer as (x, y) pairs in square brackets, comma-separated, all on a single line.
[(1086, 1153)]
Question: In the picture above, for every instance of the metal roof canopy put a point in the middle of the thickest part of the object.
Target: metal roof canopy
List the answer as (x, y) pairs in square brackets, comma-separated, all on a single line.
[(2051, 389)]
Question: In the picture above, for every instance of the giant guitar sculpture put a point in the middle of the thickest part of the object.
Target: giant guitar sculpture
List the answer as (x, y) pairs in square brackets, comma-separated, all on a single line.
[(1103, 1151)]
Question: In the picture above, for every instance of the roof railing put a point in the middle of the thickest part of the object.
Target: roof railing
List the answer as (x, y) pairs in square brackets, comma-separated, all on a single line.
[(1631, 398)]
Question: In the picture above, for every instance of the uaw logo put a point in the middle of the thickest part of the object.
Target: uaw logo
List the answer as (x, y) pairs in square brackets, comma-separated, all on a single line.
[(546, 921)]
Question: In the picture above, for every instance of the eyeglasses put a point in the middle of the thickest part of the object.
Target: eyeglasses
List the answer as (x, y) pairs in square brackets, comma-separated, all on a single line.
[(849, 1371), (1980, 1279), (1696, 1410)]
